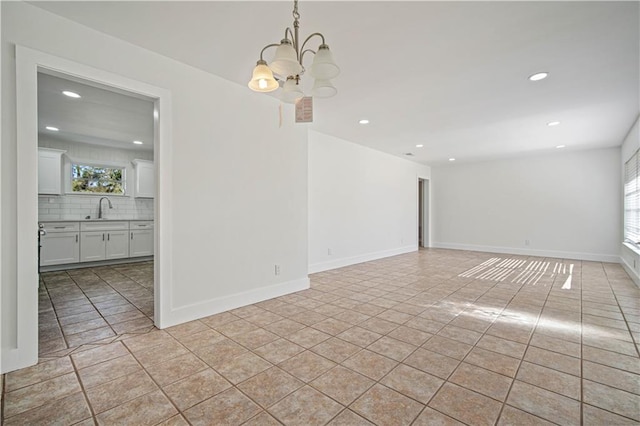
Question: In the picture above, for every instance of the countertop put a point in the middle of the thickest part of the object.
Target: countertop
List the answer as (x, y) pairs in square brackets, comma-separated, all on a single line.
[(96, 220)]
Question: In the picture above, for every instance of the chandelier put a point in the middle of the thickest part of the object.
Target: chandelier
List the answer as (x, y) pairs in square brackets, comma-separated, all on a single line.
[(288, 68)]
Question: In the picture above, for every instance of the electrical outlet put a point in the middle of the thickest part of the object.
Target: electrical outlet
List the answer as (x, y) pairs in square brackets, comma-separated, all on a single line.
[(277, 269), (527, 242), (329, 252)]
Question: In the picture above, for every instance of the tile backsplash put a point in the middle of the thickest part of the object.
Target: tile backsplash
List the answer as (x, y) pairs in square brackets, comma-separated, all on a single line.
[(78, 207)]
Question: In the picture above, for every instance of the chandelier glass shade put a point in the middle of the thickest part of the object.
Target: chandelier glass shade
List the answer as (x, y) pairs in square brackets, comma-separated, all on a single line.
[(286, 69)]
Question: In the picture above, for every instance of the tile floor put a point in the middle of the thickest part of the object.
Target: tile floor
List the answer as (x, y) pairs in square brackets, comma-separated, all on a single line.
[(435, 337)]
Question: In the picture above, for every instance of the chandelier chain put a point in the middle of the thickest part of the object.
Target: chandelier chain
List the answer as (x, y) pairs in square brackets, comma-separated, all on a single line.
[(296, 14)]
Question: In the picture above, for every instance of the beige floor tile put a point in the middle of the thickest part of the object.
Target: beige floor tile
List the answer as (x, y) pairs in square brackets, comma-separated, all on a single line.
[(111, 394), (514, 417), (175, 369), (613, 345), (201, 339), (147, 340), (214, 321), (493, 361), (124, 316), (270, 386), (332, 326), (305, 407), (370, 364), (611, 359), (612, 377), (174, 421), (38, 373), (342, 384), (392, 348), (278, 350), (243, 367), (148, 409), (448, 347), (99, 354), (36, 395), (262, 419), (463, 335), (384, 406), (67, 410), (220, 352), (161, 353), (543, 403), (89, 336), (308, 337), (359, 336), (431, 417), (503, 346), (465, 405), (513, 332), (410, 335), (306, 366), (256, 338), (196, 388), (108, 370), (426, 325), (433, 363), (617, 401), (236, 328), (137, 325), (285, 327), (593, 416), (413, 383), (349, 418), (335, 349), (483, 381), (553, 360), (378, 325), (230, 407), (553, 380)]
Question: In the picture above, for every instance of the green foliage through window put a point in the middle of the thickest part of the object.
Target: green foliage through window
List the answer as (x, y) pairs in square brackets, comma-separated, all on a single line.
[(96, 179)]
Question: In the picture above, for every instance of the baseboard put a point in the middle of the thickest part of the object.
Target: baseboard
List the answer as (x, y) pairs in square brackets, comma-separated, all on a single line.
[(221, 304), (346, 261), (52, 268), (532, 252), (630, 271)]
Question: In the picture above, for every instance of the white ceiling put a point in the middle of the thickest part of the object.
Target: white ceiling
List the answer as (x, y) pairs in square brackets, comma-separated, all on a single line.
[(99, 117), (449, 75)]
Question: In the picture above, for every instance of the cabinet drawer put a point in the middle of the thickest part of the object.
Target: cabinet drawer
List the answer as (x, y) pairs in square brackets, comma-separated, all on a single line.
[(104, 226), (61, 226), (141, 224)]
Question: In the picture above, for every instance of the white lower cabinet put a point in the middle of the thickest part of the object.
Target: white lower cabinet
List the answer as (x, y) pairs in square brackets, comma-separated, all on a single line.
[(92, 241), (59, 248), (103, 241)]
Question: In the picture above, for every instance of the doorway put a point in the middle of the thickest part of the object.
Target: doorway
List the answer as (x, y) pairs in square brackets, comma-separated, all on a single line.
[(23, 351), (423, 213)]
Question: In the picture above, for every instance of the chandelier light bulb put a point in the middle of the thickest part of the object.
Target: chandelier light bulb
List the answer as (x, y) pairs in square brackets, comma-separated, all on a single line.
[(262, 79)]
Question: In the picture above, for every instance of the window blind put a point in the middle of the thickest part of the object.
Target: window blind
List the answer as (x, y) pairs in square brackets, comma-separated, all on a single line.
[(632, 199)]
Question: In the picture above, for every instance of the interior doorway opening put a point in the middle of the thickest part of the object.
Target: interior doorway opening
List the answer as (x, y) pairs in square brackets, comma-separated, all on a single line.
[(423, 213)]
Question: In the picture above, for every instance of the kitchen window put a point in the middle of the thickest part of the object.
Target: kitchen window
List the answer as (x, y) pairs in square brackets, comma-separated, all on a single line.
[(96, 179), (632, 200)]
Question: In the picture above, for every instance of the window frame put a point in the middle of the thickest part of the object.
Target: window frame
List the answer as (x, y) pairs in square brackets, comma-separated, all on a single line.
[(631, 200)]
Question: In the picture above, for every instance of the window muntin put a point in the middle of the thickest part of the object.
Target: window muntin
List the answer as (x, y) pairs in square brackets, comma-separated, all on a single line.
[(96, 179)]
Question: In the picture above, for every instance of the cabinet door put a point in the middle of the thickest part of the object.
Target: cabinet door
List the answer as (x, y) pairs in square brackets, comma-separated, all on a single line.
[(59, 248), (141, 243), (49, 172), (92, 246), (117, 244), (145, 180)]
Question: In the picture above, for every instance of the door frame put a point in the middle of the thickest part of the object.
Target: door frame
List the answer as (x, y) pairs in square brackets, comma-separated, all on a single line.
[(28, 63), (425, 207)]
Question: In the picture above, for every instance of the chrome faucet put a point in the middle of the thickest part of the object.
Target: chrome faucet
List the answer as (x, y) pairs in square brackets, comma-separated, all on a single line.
[(100, 206)]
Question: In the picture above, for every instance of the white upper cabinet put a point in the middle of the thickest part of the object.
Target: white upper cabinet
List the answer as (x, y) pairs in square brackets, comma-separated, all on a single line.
[(144, 179), (50, 171)]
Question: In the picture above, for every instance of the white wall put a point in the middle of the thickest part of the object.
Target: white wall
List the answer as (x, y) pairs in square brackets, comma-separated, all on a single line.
[(239, 182), (567, 204), (78, 206), (363, 204), (630, 256)]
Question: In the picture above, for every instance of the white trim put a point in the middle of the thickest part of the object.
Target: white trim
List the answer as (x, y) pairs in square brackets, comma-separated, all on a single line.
[(346, 261), (531, 252), (28, 63), (222, 304), (630, 271)]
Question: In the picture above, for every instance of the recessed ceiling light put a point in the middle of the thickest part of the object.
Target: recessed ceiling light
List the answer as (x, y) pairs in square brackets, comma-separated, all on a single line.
[(70, 94), (452, 159), (538, 76), (364, 121), (553, 123), (53, 129), (138, 142), (419, 145), (560, 146)]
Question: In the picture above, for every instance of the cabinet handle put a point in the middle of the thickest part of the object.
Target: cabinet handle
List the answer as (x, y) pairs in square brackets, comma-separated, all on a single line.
[(102, 237), (59, 227), (132, 235), (108, 237), (76, 238)]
